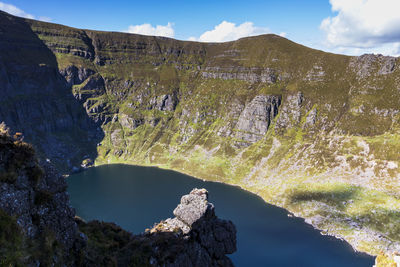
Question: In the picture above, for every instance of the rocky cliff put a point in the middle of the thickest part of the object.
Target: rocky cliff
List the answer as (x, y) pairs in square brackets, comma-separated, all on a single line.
[(36, 99), (313, 132), (38, 227), (37, 222)]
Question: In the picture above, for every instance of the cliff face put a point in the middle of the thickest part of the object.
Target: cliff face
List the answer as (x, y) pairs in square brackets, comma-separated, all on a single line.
[(37, 223), (36, 99), (314, 132), (38, 226)]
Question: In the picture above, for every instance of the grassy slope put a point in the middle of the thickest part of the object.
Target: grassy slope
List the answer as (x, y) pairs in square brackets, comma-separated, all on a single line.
[(340, 173)]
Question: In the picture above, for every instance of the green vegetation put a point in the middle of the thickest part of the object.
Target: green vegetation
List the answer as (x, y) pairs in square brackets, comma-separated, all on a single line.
[(331, 156), (16, 156), (11, 247), (109, 245), (16, 249), (383, 260)]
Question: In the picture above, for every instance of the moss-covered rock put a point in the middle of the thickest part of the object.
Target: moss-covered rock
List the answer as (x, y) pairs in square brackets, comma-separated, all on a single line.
[(190, 107)]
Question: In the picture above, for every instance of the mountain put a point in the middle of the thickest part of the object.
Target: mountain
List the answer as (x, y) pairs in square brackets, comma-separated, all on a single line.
[(313, 132)]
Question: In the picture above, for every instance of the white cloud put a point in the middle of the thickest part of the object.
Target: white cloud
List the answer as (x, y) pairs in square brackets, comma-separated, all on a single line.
[(283, 34), (228, 31), (13, 10), (363, 23), (390, 49), (148, 29)]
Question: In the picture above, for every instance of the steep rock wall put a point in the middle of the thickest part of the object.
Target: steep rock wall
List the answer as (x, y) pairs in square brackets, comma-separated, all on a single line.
[(36, 99), (327, 150)]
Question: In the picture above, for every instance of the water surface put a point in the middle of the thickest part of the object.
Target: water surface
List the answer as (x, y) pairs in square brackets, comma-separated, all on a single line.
[(137, 197)]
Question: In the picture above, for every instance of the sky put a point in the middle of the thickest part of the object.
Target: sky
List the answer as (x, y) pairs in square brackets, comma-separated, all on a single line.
[(351, 27)]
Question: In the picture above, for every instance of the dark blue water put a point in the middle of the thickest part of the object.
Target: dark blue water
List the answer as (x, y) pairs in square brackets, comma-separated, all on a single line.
[(137, 197)]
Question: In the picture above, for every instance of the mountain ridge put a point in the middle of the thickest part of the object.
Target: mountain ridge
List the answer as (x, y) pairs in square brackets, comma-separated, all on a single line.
[(313, 132)]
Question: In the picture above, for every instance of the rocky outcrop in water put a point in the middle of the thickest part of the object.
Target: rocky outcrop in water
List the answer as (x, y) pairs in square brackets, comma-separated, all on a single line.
[(195, 237), (207, 238)]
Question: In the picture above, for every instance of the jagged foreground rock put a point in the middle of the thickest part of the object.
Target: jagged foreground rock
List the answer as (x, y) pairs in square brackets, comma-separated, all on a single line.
[(209, 239), (313, 132), (38, 227), (37, 224), (195, 237)]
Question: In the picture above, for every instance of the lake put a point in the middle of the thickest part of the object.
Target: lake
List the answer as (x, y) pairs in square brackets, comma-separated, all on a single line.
[(137, 197)]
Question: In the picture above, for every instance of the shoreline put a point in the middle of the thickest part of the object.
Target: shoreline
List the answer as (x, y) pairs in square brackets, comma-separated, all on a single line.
[(289, 213)]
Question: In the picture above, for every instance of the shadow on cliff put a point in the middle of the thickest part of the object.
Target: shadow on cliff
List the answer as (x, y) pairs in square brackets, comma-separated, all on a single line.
[(36, 100)]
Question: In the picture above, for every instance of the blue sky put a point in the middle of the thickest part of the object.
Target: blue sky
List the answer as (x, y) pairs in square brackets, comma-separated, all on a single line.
[(341, 26)]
